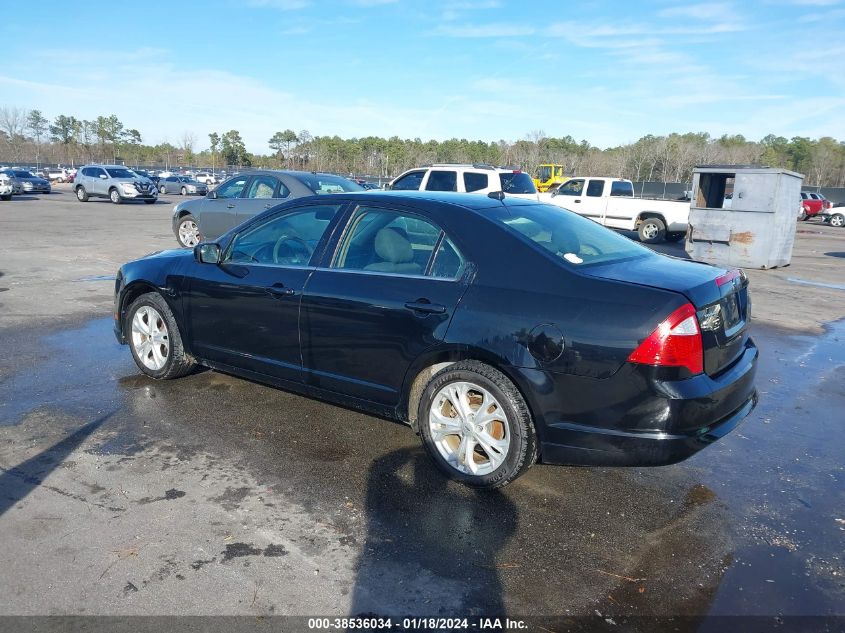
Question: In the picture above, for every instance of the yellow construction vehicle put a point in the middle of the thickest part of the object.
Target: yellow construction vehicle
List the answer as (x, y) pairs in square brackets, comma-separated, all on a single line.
[(548, 176)]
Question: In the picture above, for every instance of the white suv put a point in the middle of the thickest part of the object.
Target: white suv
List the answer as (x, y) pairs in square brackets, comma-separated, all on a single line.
[(476, 178), (206, 177)]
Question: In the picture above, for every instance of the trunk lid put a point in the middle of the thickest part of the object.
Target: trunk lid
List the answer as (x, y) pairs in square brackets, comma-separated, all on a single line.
[(720, 298)]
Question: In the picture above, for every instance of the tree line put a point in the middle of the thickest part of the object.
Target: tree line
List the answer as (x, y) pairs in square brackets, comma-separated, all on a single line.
[(28, 136)]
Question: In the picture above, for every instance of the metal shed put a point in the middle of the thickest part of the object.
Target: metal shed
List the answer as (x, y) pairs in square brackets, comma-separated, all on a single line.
[(743, 215)]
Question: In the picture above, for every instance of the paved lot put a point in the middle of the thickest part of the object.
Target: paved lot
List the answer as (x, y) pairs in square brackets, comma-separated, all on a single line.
[(215, 495)]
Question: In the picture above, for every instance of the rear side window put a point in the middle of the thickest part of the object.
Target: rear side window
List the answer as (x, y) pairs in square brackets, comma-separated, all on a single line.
[(517, 182), (474, 181), (595, 188), (622, 189), (442, 181), (409, 182)]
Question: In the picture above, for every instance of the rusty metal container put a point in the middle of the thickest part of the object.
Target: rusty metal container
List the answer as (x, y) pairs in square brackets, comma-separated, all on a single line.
[(743, 215)]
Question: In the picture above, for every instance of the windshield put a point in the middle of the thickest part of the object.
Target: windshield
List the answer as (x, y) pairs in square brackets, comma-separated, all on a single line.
[(184, 179), (517, 182), (575, 239), (23, 174), (544, 172), (120, 172), (326, 183)]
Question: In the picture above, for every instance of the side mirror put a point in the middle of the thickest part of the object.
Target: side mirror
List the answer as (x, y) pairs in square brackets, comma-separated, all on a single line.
[(104, 177), (207, 253), (387, 186), (212, 195)]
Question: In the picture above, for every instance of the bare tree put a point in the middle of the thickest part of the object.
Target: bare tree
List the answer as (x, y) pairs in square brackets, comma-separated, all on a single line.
[(13, 123)]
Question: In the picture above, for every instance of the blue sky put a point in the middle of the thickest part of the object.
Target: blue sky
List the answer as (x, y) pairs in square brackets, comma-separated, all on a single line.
[(607, 72)]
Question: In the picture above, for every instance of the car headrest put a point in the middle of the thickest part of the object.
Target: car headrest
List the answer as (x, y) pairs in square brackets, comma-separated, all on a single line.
[(392, 247), (565, 241)]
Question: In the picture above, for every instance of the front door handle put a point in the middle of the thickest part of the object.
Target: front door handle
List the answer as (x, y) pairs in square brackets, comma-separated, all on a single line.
[(576, 201), (425, 306), (280, 290), (230, 206), (268, 205)]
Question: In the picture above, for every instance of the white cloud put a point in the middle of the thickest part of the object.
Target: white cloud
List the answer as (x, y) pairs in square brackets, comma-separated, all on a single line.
[(703, 11), (501, 29), (284, 5)]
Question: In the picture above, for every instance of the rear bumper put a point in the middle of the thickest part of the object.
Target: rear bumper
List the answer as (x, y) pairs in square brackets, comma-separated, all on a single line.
[(636, 418)]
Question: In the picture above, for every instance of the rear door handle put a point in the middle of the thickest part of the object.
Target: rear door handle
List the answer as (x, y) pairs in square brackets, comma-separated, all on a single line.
[(268, 205), (425, 306), (230, 206), (576, 201), (280, 290)]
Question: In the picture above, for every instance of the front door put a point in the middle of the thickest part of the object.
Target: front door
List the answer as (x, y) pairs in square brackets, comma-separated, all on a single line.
[(387, 295), (219, 209), (99, 186), (244, 312)]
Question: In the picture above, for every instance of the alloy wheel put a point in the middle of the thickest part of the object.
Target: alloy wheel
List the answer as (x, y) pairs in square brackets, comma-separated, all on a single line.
[(189, 233), (650, 230), (470, 428), (150, 339)]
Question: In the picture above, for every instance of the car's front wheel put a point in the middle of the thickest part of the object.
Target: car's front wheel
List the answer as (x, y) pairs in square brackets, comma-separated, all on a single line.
[(114, 196), (162, 189), (184, 191), (188, 231), (81, 194), (476, 426), (837, 219), (154, 338)]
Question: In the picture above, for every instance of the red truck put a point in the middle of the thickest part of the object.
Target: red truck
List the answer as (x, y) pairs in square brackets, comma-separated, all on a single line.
[(813, 204)]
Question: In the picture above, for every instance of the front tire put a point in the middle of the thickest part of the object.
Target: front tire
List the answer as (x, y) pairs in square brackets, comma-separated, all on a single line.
[(837, 219), (114, 196), (188, 231), (153, 336), (149, 201), (652, 231), (184, 191), (7, 197), (81, 194), (476, 426), (162, 189)]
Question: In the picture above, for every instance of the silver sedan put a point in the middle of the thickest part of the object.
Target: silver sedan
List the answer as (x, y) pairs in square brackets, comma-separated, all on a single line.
[(183, 185)]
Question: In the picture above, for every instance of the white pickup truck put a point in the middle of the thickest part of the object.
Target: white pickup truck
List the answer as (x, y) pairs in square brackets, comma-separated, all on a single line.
[(611, 202)]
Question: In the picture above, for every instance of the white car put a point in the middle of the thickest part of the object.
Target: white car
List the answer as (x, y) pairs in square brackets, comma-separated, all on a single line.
[(5, 186), (206, 177), (465, 178), (60, 175), (611, 202)]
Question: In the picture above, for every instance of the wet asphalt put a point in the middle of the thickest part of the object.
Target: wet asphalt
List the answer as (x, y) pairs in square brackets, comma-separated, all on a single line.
[(215, 495)]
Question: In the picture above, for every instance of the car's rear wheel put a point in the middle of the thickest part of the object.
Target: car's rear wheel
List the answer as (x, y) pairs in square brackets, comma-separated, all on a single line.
[(154, 338), (652, 230), (114, 196), (188, 231), (476, 426), (81, 194), (837, 219)]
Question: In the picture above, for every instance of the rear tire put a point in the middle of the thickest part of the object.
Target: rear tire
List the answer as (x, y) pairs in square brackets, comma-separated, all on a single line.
[(652, 231), (114, 196), (508, 431), (837, 219), (81, 194), (154, 338)]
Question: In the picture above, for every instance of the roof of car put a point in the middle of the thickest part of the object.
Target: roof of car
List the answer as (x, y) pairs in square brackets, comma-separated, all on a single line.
[(466, 200)]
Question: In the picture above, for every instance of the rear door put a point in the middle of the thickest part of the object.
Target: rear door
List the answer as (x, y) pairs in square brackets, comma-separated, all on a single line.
[(441, 180), (262, 192), (384, 296)]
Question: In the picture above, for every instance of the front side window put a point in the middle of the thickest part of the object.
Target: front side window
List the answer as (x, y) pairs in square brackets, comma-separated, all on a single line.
[(409, 182), (232, 189), (572, 187), (120, 172), (595, 188), (391, 242), (474, 181), (283, 240), (265, 187), (544, 172), (442, 181)]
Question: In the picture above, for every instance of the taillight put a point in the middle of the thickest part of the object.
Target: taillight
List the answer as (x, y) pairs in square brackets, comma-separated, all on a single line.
[(728, 277), (676, 342)]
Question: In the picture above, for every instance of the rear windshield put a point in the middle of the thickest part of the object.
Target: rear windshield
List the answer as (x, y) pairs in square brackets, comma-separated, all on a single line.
[(120, 172), (517, 182), (575, 239), (326, 183)]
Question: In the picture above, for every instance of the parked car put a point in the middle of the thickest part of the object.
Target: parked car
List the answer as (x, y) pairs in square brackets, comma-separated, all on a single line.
[(835, 216), (501, 331), (30, 183), (207, 178), (183, 185), (611, 202), (115, 182), (16, 184), (369, 185), (476, 178), (59, 175), (5, 186), (244, 195), (814, 204)]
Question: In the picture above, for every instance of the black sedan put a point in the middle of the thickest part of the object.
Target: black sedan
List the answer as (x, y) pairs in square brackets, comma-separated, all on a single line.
[(502, 331)]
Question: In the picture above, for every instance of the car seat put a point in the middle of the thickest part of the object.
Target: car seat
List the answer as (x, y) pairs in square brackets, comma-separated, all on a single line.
[(396, 253)]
